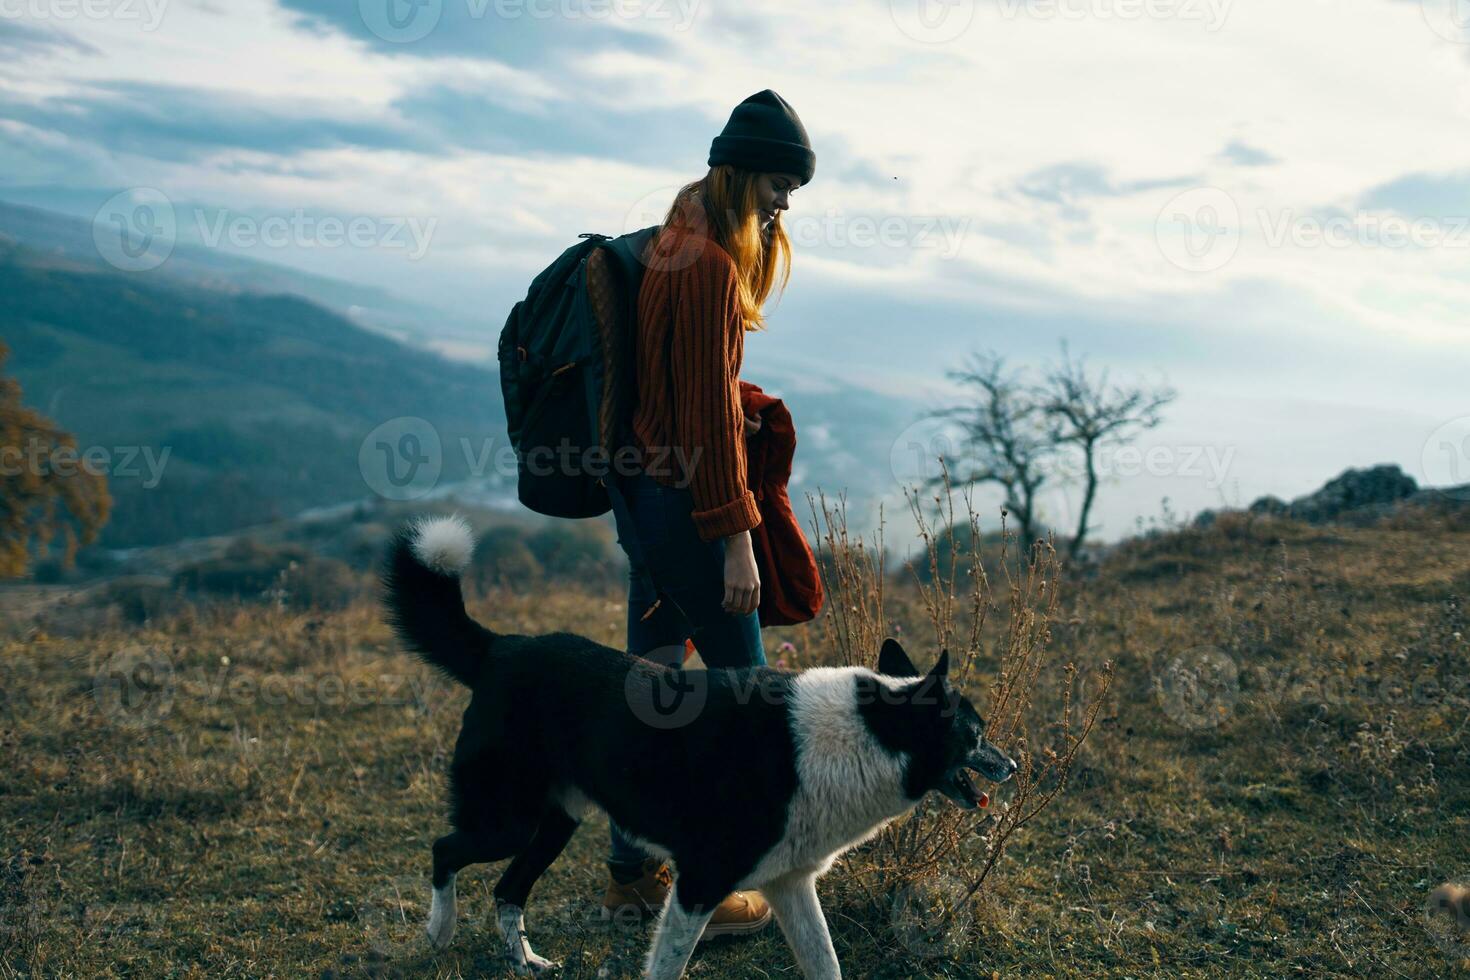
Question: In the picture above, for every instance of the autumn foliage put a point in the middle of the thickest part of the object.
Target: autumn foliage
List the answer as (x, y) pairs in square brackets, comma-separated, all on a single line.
[(46, 485)]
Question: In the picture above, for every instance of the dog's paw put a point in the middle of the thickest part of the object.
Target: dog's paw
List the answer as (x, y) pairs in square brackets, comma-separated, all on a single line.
[(440, 928), (440, 933)]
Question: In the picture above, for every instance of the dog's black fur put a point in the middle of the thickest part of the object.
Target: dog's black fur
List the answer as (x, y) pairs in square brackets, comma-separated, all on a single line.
[(557, 720)]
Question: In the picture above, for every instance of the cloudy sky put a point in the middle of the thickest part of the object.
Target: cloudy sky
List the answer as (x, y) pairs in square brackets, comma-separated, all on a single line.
[(1266, 203)]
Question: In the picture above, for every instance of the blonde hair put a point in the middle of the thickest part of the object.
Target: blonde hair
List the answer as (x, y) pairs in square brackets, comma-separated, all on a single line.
[(722, 206)]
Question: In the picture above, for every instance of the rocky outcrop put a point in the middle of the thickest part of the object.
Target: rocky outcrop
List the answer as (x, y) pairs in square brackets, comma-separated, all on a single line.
[(1367, 492), (1357, 496)]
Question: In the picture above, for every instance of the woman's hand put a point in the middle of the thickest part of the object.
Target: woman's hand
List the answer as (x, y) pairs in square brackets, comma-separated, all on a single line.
[(742, 580)]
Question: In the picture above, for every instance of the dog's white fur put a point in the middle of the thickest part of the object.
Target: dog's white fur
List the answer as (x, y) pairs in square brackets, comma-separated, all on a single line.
[(848, 788), (511, 921), (445, 544), (443, 915)]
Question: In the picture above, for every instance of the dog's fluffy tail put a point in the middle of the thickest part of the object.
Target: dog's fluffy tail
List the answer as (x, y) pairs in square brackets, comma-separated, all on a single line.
[(424, 604)]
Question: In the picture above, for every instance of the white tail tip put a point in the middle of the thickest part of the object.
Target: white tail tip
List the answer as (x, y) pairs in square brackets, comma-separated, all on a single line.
[(444, 544)]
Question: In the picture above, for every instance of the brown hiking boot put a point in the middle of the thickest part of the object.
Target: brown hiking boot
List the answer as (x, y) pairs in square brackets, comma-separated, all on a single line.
[(641, 897), (739, 914)]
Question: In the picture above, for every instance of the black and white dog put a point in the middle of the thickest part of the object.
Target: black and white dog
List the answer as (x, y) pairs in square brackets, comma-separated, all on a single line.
[(764, 777)]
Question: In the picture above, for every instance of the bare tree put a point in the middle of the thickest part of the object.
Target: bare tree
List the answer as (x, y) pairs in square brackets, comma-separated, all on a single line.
[(1084, 411), (1007, 438)]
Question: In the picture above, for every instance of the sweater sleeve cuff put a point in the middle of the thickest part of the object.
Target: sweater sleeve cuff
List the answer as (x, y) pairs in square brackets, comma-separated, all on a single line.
[(740, 514)]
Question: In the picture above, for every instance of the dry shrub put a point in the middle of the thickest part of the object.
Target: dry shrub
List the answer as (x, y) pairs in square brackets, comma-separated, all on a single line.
[(927, 870)]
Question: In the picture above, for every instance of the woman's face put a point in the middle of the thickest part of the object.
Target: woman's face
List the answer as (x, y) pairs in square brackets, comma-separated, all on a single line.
[(772, 193)]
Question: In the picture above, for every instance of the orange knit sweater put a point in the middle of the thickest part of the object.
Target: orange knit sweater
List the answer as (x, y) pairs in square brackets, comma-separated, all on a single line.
[(690, 344)]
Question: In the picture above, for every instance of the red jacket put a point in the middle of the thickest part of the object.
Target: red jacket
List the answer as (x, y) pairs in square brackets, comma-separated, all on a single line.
[(791, 587)]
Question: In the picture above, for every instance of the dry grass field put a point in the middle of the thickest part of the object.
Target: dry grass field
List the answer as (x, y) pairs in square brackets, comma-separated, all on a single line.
[(1277, 779)]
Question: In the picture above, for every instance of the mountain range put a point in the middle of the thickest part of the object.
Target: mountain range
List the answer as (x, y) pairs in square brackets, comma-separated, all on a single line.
[(227, 392)]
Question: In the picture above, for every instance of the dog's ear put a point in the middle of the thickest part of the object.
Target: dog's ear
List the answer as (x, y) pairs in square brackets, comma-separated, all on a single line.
[(941, 667), (894, 662)]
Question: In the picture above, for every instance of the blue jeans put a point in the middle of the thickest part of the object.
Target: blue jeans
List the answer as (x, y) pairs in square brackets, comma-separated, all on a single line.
[(667, 558)]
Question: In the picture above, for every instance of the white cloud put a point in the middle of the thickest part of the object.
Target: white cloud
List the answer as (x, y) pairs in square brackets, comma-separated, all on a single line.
[(1339, 98)]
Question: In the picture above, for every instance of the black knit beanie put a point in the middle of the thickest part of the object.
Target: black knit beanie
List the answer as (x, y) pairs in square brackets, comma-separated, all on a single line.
[(765, 134)]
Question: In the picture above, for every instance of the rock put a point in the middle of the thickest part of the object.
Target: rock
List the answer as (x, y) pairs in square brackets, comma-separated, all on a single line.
[(1269, 505), (1374, 489)]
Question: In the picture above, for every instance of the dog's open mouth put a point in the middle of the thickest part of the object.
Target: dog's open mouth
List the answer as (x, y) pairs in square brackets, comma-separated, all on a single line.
[(960, 787)]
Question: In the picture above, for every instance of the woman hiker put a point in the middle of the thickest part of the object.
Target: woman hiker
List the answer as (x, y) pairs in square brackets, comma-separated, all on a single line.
[(685, 518)]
